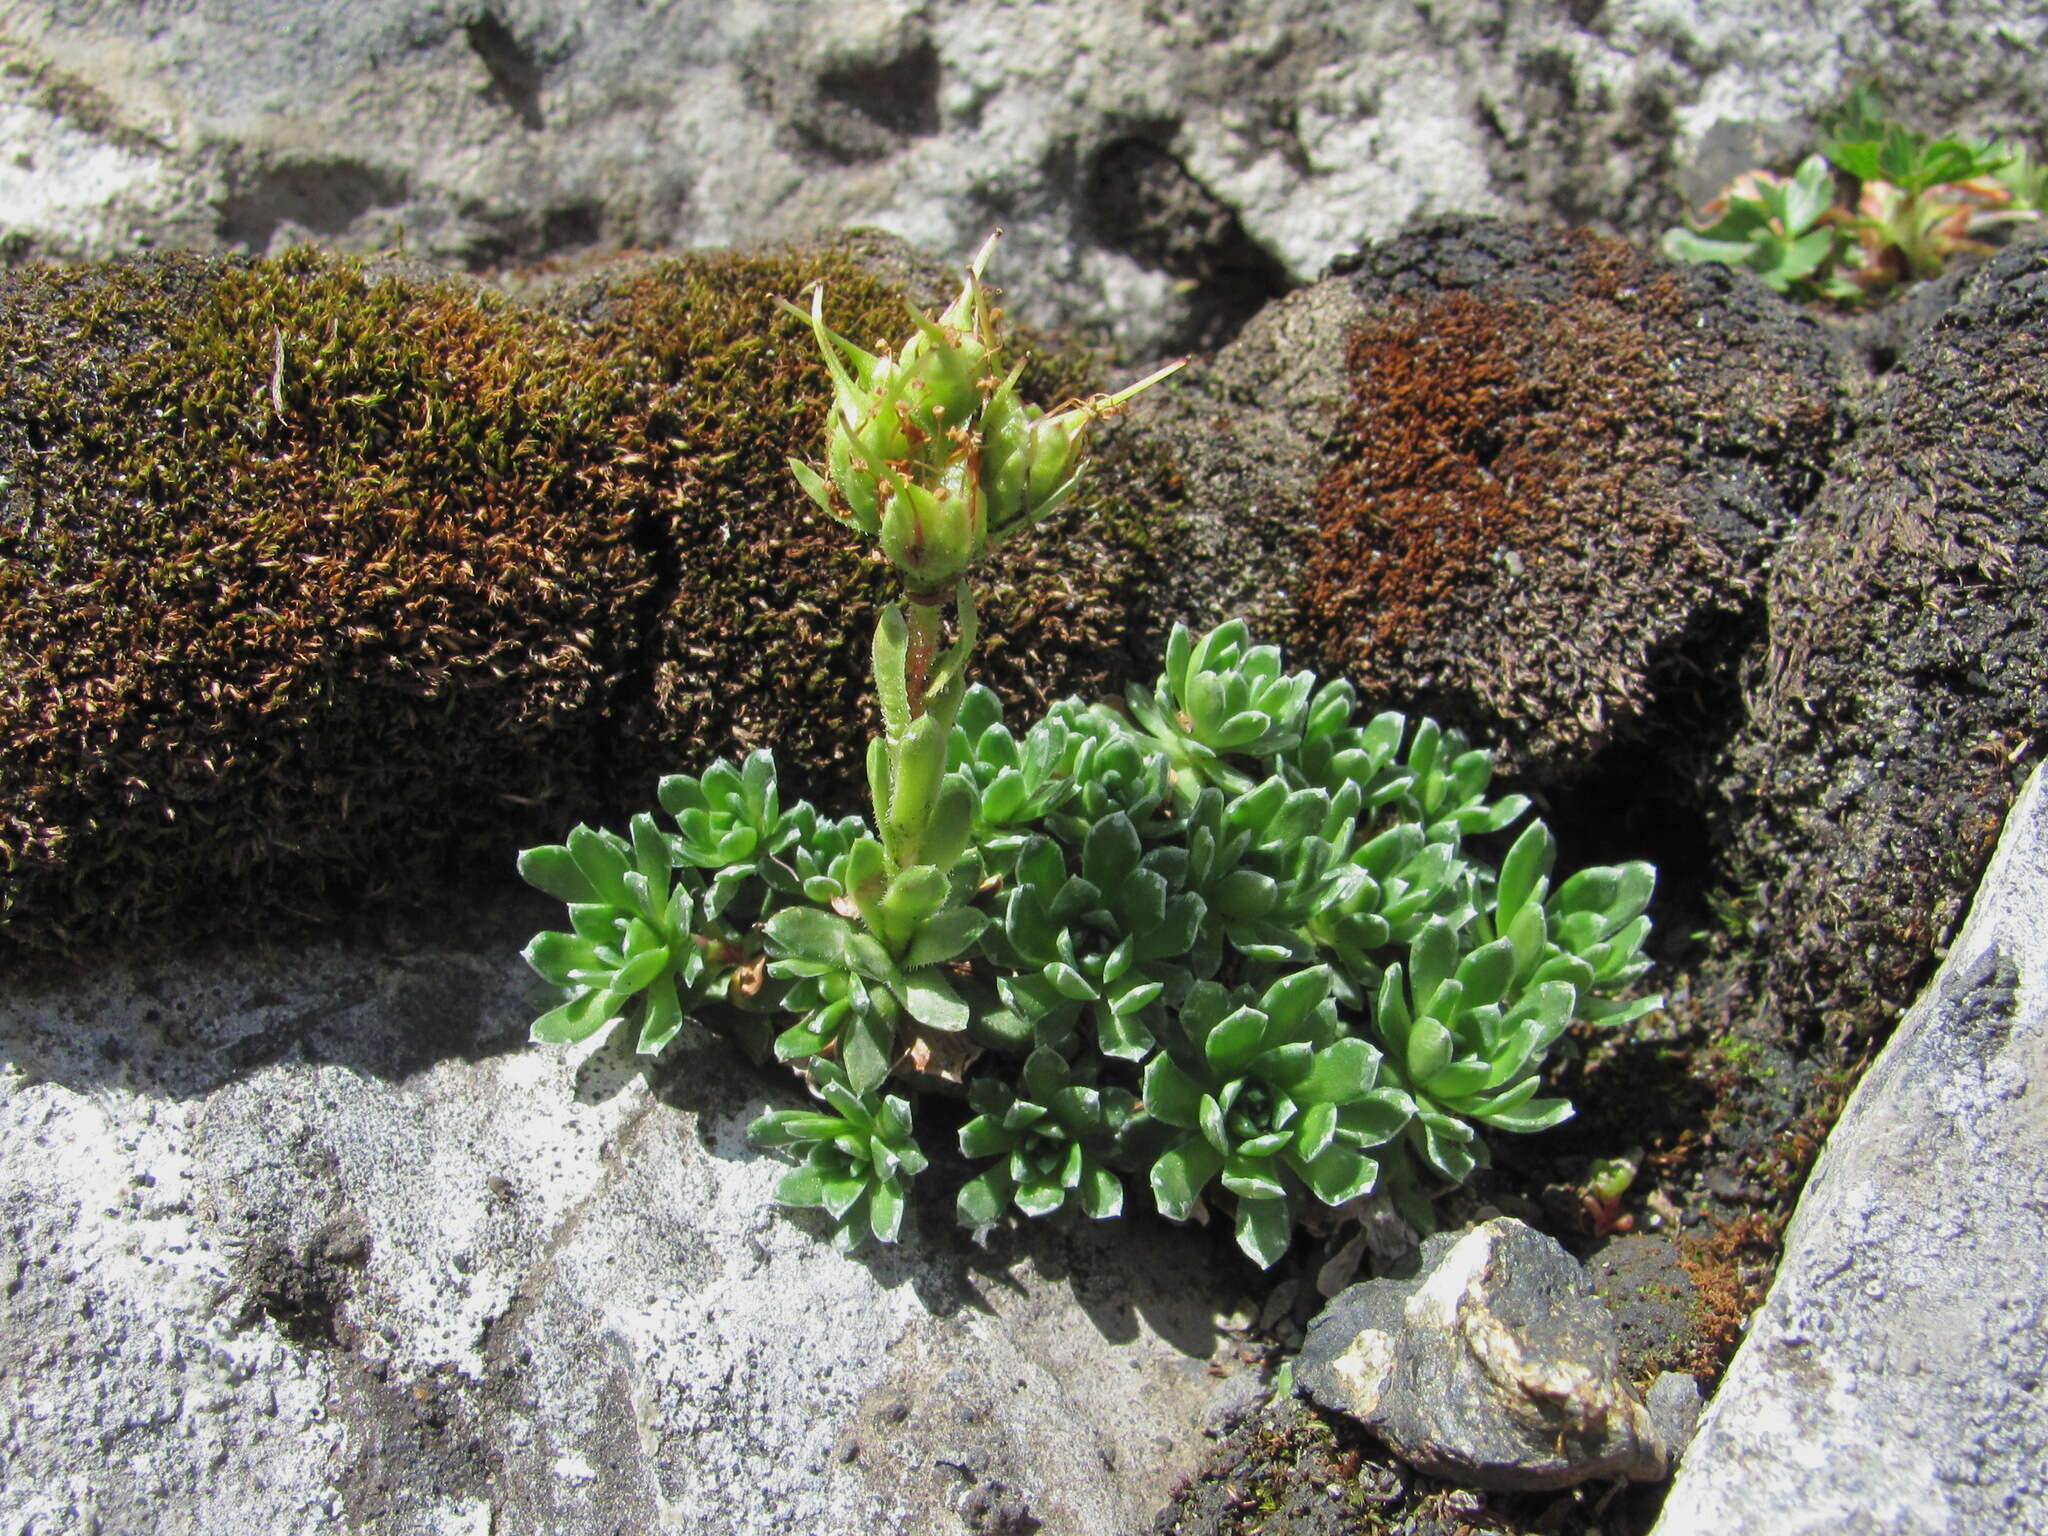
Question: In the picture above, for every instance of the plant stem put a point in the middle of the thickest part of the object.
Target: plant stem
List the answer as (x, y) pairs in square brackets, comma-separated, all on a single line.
[(924, 645)]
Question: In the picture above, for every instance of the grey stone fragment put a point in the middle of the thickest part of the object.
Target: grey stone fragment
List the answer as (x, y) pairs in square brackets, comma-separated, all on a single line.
[(1895, 1381), (1674, 1402), (1491, 1365)]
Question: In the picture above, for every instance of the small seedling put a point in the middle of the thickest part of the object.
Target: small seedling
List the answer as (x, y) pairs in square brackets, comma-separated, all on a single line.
[(1878, 206)]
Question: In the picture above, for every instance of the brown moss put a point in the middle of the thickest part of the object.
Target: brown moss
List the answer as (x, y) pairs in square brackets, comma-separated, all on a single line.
[(319, 585), (1731, 1266), (287, 554), (1905, 690), (1512, 532)]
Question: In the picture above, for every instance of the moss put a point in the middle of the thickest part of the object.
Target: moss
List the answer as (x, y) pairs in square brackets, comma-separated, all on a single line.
[(321, 585), (1530, 527), (1743, 1056), (311, 583), (1907, 673), (1731, 1265)]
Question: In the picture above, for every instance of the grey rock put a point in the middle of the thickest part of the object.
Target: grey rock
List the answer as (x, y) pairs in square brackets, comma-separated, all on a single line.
[(1235, 1399), (1892, 1381), (1491, 1365), (266, 1265), (1675, 1403), (1162, 170)]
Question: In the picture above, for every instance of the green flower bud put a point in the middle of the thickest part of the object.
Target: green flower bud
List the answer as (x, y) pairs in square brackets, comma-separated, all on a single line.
[(933, 535), (930, 450)]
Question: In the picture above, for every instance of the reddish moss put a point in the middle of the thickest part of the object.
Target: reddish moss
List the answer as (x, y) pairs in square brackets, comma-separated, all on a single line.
[(1731, 1266), (1511, 535)]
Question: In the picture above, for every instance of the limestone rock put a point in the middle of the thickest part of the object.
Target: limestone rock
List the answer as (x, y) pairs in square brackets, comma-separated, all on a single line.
[(1892, 1381), (317, 1239), (1491, 1365), (1162, 170)]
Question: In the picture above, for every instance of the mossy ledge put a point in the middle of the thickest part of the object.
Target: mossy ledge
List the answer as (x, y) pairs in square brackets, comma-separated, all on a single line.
[(325, 586)]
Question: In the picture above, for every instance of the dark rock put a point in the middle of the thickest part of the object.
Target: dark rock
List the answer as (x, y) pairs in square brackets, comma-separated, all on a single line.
[(1490, 1364), (1652, 1299), (1242, 440), (1907, 671)]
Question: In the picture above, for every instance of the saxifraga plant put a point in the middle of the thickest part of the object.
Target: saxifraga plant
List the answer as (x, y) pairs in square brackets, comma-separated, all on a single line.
[(1224, 942), (1911, 204)]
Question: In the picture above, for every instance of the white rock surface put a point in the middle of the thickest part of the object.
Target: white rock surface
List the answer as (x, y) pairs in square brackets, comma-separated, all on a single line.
[(1117, 142), (315, 1240), (1895, 1381)]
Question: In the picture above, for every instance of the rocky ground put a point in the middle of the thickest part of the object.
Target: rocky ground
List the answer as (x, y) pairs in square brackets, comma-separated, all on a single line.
[(1163, 173), (298, 1234)]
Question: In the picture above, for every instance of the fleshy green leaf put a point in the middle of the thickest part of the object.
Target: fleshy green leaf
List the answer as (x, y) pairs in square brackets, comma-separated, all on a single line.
[(1339, 1173), (1171, 1096), (866, 1043), (944, 936), (577, 1019), (931, 1000), (554, 956), (1340, 1073), (1264, 1230), (1181, 1174), (1235, 1040), (1102, 1194), (982, 1198), (810, 934), (554, 870)]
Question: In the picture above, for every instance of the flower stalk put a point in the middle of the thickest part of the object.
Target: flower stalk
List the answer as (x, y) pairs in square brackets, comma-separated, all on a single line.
[(932, 453)]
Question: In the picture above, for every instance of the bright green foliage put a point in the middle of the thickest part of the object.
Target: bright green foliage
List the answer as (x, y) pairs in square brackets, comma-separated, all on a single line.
[(1225, 935), (1271, 997), (858, 1157), (1272, 1099), (1106, 943), (851, 995), (1879, 205), (1221, 696), (1775, 227), (633, 948), (1862, 141), (1049, 1137), (2025, 180)]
